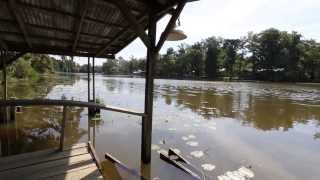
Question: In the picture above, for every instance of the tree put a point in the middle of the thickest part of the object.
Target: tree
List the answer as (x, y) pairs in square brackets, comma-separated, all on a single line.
[(211, 60), (230, 48), (110, 66)]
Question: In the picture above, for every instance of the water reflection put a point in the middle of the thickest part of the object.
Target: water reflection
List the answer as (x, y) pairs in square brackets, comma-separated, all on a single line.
[(233, 125), (38, 128), (262, 112)]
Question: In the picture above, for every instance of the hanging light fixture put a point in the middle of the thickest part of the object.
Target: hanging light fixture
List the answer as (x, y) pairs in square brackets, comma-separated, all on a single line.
[(176, 34)]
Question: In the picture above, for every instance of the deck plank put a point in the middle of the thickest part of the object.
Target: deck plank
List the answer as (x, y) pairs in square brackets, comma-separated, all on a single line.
[(74, 163), (43, 157)]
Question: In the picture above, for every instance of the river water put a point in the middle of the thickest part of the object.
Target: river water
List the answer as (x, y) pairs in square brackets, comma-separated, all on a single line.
[(273, 129)]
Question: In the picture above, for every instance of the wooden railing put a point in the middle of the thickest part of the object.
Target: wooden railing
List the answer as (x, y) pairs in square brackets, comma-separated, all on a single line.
[(65, 104)]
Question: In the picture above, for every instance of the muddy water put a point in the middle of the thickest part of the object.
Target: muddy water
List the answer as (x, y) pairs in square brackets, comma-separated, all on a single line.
[(271, 129)]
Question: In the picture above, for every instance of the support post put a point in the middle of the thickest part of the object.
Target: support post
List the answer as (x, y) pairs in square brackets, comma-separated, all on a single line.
[(93, 82), (12, 111), (148, 104), (4, 112), (88, 79), (63, 126)]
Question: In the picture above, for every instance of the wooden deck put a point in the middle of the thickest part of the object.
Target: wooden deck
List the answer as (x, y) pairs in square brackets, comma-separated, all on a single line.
[(76, 162)]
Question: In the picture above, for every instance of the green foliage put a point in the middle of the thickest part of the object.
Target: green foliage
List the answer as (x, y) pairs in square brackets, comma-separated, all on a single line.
[(211, 60), (23, 69)]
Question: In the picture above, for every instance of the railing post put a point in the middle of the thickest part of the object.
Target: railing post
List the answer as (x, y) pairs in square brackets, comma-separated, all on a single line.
[(63, 126)]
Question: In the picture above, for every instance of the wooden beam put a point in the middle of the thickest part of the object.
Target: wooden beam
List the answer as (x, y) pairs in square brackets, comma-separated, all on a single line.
[(134, 23), (13, 8), (88, 69), (63, 127), (3, 45), (170, 25), (47, 38), (69, 103), (54, 50), (152, 54), (160, 15), (83, 12)]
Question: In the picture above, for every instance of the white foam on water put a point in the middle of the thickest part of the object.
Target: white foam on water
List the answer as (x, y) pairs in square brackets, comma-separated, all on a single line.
[(191, 136), (172, 129), (246, 171), (242, 173), (192, 143), (197, 154), (185, 138), (208, 167)]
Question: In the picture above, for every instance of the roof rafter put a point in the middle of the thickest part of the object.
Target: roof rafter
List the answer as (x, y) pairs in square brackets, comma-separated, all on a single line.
[(83, 10), (134, 23), (13, 8)]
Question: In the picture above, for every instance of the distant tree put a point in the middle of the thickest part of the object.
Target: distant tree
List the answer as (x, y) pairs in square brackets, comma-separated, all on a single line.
[(211, 59), (110, 66), (230, 48)]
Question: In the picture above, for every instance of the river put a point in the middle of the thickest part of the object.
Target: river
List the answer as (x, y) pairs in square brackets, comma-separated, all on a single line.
[(271, 128)]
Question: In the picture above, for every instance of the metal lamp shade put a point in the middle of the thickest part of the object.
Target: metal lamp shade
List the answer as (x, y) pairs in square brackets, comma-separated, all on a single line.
[(176, 35)]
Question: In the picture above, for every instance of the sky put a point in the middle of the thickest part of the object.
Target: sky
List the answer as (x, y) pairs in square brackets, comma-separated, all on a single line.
[(234, 19)]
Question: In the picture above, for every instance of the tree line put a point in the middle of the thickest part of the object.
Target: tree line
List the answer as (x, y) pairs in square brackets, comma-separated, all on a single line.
[(270, 55)]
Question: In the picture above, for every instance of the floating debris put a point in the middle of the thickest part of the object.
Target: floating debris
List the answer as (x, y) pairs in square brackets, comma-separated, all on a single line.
[(197, 120), (197, 154), (172, 129), (162, 141), (213, 127), (186, 125), (176, 150), (163, 151), (191, 136), (185, 138), (246, 171), (241, 174), (193, 143), (156, 178), (208, 167), (155, 147), (196, 125)]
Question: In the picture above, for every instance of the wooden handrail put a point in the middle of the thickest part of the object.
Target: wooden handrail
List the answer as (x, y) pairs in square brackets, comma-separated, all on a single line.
[(70, 103)]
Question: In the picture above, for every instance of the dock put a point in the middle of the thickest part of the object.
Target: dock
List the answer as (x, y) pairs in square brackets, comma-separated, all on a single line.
[(76, 162)]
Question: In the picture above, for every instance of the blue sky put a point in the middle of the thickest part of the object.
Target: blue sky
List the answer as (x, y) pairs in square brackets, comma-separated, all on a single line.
[(235, 18)]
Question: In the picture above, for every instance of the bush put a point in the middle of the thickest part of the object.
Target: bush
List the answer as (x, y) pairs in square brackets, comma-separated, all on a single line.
[(24, 70)]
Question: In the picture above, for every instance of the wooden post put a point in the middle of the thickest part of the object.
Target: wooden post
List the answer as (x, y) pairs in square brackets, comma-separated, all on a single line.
[(4, 112), (63, 126), (93, 82), (88, 79), (13, 111), (148, 104)]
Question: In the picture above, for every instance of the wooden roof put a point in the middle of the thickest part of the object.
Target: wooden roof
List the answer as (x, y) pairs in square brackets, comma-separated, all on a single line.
[(99, 28)]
